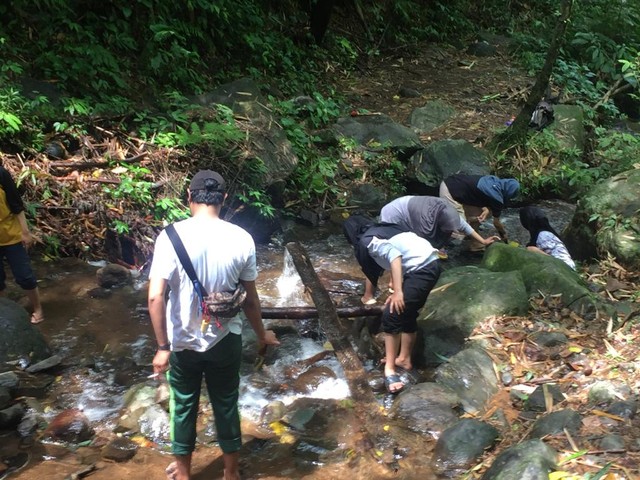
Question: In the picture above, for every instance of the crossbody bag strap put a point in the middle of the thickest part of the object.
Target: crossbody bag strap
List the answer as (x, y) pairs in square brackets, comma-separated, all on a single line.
[(183, 256)]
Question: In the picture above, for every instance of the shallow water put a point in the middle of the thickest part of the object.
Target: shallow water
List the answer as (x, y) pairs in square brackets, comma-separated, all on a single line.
[(108, 343)]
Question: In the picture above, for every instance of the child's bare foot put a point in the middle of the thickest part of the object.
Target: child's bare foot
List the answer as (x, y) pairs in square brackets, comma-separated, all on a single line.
[(37, 317)]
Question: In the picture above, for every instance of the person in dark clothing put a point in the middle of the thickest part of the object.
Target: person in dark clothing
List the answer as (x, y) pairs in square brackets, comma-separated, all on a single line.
[(414, 266), (15, 239), (475, 196), (544, 239)]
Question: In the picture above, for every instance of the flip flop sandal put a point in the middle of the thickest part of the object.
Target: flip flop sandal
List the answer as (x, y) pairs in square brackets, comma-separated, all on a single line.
[(390, 380)]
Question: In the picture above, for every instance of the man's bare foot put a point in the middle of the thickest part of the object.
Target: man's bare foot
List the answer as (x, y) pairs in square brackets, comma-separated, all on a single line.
[(368, 301), (173, 472)]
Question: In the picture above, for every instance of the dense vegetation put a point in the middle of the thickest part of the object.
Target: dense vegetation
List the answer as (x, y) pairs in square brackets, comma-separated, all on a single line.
[(70, 68)]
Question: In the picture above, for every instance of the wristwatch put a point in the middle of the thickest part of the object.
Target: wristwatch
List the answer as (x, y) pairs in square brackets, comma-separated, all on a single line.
[(165, 348)]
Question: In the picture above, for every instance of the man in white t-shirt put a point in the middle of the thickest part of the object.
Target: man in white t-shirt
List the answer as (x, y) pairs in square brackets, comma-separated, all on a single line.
[(223, 256)]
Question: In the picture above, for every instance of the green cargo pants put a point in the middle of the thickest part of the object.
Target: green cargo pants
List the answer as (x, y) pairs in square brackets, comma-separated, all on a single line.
[(220, 366)]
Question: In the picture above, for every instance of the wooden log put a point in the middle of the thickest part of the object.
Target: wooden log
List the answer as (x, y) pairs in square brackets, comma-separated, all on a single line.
[(299, 313), (366, 406)]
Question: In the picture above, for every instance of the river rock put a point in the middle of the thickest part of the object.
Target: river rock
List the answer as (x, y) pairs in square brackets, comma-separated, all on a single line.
[(19, 339), (536, 401), (69, 426), (119, 449), (608, 391), (5, 397), (542, 274), (464, 297), (9, 380), (154, 423), (607, 220), (426, 408), (556, 422), (445, 157), (11, 416), (461, 445), (45, 364), (431, 116), (529, 460), (377, 133), (33, 385), (137, 399), (113, 275), (310, 379), (471, 376), (625, 409)]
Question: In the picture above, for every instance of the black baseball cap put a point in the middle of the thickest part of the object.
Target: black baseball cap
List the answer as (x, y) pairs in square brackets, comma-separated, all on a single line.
[(198, 182)]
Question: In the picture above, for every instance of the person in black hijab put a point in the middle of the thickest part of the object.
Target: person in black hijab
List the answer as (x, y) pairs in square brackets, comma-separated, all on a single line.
[(544, 239)]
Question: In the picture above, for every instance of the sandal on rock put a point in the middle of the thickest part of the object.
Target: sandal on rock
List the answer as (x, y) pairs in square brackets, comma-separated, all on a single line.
[(35, 319), (393, 379)]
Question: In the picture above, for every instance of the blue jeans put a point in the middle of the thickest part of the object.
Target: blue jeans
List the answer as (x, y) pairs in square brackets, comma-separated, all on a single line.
[(20, 265)]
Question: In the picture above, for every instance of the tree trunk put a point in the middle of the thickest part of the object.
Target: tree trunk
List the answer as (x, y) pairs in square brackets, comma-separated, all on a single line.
[(366, 406), (516, 134)]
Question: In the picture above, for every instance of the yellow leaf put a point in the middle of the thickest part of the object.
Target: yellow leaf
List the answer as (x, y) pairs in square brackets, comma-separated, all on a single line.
[(575, 349), (386, 428), (513, 359), (278, 428), (559, 474)]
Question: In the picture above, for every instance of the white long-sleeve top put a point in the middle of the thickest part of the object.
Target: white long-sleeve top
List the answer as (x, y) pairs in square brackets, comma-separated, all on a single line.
[(416, 252)]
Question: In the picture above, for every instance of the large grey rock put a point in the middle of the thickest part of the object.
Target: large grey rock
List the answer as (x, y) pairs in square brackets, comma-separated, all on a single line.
[(70, 425), (471, 376), (443, 158), (607, 221), (556, 423), (378, 133), (461, 445), (19, 339), (426, 408), (268, 141), (463, 297), (471, 294), (530, 460), (431, 116)]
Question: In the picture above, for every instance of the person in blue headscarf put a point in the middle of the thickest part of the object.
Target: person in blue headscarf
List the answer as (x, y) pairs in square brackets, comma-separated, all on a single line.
[(475, 196)]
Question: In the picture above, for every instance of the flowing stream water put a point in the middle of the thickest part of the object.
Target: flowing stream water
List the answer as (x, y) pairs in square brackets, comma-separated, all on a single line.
[(107, 343)]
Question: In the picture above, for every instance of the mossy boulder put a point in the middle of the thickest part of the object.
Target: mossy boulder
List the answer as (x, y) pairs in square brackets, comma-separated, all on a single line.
[(541, 274), (463, 297), (607, 220)]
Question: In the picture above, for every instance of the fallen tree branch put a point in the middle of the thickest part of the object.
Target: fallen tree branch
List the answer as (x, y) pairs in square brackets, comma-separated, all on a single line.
[(379, 443), (94, 164)]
